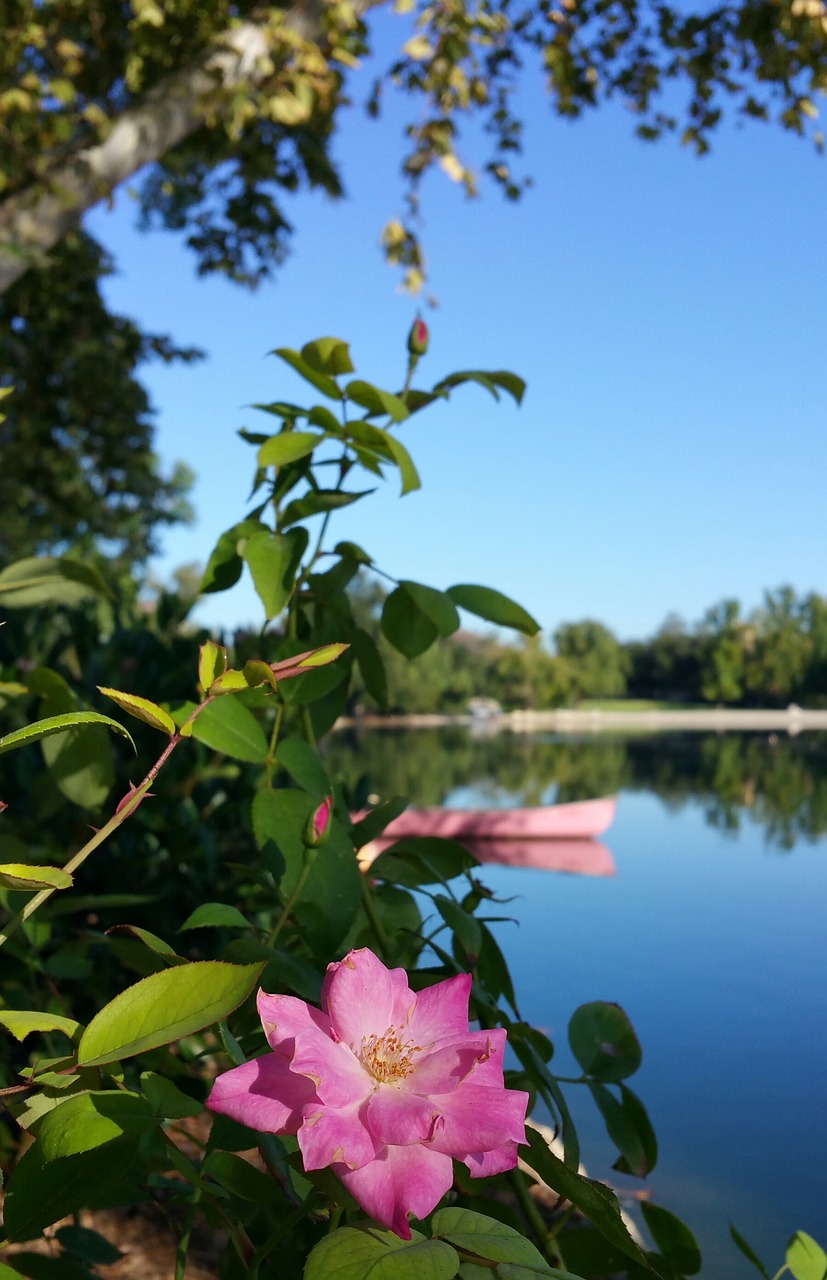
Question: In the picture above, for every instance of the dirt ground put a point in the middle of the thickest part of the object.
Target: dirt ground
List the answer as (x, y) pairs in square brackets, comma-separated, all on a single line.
[(147, 1241)]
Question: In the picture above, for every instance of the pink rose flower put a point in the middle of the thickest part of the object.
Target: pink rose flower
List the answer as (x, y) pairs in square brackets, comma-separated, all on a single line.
[(384, 1085)]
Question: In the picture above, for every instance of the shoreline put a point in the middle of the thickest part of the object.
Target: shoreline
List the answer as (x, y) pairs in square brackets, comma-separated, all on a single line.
[(791, 720)]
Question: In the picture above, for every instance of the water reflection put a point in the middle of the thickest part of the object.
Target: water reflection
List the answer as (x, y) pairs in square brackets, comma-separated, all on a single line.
[(781, 783)]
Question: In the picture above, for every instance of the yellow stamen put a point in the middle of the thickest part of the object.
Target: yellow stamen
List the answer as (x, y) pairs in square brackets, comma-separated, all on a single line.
[(389, 1057)]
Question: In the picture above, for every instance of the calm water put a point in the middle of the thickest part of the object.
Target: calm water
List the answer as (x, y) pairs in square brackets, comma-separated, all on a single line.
[(711, 935)]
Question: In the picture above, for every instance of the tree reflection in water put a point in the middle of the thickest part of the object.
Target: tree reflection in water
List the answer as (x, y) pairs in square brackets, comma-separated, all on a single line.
[(780, 782)]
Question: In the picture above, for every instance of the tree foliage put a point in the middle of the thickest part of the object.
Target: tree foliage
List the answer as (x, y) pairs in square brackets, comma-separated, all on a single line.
[(77, 436), (232, 105)]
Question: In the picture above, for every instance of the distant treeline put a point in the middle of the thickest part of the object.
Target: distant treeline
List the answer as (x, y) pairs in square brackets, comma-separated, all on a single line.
[(775, 655)]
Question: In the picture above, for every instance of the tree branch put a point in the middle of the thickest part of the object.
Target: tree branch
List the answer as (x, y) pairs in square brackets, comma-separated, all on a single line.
[(33, 221)]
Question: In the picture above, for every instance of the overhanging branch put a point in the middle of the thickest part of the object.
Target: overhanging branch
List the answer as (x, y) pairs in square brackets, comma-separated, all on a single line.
[(33, 221)]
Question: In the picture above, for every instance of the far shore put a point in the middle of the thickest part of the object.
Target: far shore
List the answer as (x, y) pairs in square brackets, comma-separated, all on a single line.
[(791, 720)]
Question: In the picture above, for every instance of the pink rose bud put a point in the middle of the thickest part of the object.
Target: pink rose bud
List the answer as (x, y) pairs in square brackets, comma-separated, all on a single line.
[(418, 338), (318, 824)]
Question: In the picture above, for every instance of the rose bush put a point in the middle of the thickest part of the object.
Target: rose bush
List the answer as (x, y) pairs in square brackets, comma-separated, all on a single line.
[(382, 1084)]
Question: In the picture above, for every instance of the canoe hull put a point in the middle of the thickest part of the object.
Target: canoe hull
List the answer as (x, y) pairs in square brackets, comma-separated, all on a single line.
[(579, 820)]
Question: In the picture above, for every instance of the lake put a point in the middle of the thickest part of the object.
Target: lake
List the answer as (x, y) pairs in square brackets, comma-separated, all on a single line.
[(711, 935)]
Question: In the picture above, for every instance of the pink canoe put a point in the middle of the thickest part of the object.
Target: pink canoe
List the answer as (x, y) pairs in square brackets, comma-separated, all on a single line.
[(579, 820)]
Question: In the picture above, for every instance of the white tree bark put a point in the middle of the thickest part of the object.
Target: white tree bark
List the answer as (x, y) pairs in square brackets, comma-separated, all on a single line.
[(32, 222)]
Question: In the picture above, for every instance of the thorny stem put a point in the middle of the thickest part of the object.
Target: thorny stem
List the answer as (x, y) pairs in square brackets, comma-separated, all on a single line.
[(274, 738), (290, 904), (531, 1213), (184, 1239), (125, 809)]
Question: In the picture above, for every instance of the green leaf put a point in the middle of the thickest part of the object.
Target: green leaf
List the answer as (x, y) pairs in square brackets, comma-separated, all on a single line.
[(22, 1022), (241, 1178), (226, 725), (166, 1099), (376, 820), (272, 559), (485, 1237), (319, 502), (332, 891), (150, 940), (371, 666), (677, 1243), (492, 969), (603, 1041), (215, 915), (142, 709), (25, 875), (622, 1125), (376, 401), (81, 764), (370, 1252), (321, 381), (436, 605), (353, 551), (304, 766), (748, 1252), (405, 463), (491, 381), (636, 1117), (279, 409), (321, 416), (49, 580), (40, 1194), (165, 1006), (418, 860), (328, 356), (806, 1259), (212, 662), (593, 1199), (465, 927), (59, 724), (225, 564), (404, 624), (90, 1120), (525, 1271), (494, 607), (288, 447)]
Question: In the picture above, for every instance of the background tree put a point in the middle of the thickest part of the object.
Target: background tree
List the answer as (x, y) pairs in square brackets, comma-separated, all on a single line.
[(782, 653), (598, 664), (725, 645), (77, 437)]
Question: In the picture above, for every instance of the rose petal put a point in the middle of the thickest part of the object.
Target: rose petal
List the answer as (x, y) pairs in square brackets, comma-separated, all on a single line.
[(400, 1181), (283, 1017), (263, 1094), (477, 1054), (398, 1118), (441, 1011), (474, 1118), (359, 995), (328, 1136), (339, 1076), (486, 1163)]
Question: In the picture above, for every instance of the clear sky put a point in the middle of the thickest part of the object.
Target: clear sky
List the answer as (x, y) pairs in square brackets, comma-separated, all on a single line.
[(667, 313)]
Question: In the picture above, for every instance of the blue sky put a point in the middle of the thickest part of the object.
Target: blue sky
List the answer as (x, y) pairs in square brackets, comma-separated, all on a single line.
[(667, 313)]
